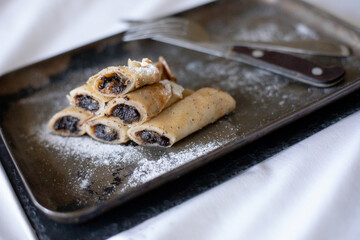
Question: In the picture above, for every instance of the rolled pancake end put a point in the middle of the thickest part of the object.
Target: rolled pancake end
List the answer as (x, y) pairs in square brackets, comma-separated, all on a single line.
[(117, 81), (88, 99), (107, 130), (190, 114), (69, 122)]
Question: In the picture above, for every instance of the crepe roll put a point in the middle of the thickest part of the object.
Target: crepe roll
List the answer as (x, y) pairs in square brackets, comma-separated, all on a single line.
[(194, 112), (86, 98), (143, 104), (107, 130), (117, 81), (69, 122)]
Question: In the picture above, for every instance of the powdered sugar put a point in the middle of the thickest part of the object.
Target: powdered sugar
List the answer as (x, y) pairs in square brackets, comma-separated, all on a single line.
[(271, 31), (144, 167), (145, 68), (84, 148), (149, 169), (305, 31), (261, 85), (84, 183)]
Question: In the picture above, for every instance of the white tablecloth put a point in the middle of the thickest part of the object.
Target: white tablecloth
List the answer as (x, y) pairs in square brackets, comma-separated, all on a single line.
[(309, 191)]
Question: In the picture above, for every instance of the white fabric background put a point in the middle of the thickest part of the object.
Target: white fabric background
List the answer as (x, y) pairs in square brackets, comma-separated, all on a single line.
[(13, 222), (37, 29), (309, 191)]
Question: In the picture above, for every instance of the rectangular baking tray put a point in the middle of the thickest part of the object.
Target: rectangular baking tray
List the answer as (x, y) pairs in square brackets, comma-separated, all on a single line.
[(74, 179)]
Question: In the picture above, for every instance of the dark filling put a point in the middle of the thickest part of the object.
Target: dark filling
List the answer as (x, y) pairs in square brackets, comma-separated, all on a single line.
[(113, 84), (126, 113), (67, 123), (153, 137), (87, 103), (103, 132)]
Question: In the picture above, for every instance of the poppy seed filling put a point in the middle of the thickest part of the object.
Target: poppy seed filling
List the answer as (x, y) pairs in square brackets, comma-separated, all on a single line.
[(128, 114), (105, 133), (153, 137), (87, 102), (113, 84), (67, 123)]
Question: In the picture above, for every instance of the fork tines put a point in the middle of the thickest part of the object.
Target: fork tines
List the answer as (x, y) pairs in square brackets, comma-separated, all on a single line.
[(170, 27)]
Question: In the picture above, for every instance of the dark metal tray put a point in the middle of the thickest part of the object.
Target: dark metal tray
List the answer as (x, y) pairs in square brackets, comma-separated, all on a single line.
[(74, 179)]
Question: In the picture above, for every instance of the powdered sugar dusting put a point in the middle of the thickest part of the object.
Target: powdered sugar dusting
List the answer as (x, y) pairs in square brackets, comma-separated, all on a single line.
[(84, 183), (146, 168), (271, 31), (150, 169), (84, 148), (304, 30), (144, 68), (263, 86)]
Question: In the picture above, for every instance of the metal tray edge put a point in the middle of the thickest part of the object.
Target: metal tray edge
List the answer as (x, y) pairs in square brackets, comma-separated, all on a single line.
[(79, 215)]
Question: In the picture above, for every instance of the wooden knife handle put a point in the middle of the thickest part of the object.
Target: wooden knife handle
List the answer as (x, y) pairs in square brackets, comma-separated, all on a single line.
[(290, 66)]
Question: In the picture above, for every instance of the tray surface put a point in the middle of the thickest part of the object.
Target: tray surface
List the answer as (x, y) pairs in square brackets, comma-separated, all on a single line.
[(72, 179)]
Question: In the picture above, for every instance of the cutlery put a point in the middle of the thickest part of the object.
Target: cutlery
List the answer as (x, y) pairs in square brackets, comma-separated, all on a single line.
[(188, 34), (192, 31)]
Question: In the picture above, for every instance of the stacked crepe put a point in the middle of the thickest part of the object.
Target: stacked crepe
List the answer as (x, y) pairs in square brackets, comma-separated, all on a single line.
[(141, 102)]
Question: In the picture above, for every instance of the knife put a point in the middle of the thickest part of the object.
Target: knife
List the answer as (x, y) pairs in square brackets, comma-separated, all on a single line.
[(291, 66)]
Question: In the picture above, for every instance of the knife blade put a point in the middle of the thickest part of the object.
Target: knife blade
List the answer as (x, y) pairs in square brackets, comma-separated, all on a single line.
[(291, 66)]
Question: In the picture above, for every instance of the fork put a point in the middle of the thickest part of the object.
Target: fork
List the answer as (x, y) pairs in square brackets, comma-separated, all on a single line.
[(180, 28)]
